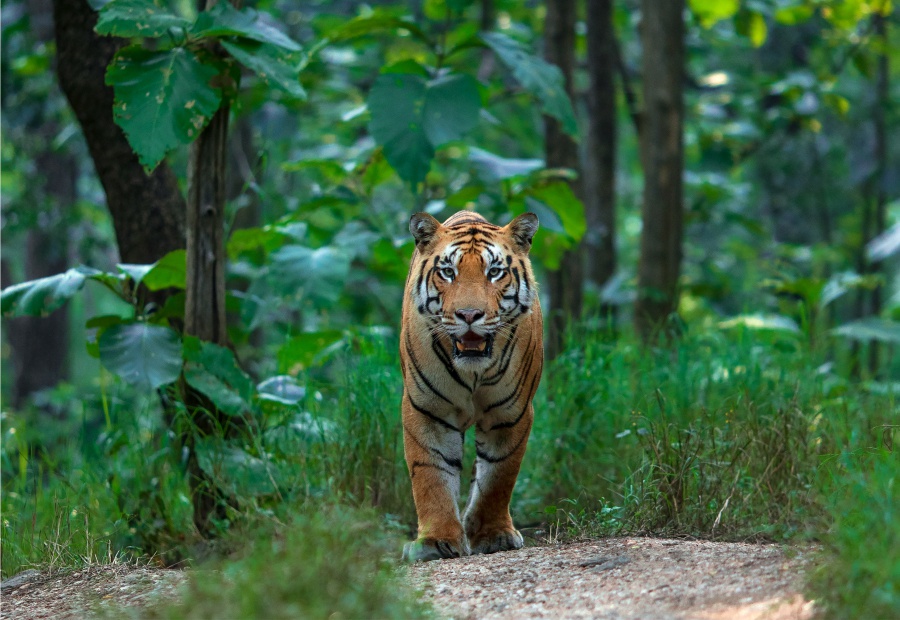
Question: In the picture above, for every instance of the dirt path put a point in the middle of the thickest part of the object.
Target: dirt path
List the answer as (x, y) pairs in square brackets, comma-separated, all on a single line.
[(623, 578), (616, 579)]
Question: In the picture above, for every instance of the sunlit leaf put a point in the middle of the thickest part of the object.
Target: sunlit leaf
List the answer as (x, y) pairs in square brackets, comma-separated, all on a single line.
[(774, 322), (283, 389), (871, 328), (711, 11), (884, 245), (492, 167), (42, 296)]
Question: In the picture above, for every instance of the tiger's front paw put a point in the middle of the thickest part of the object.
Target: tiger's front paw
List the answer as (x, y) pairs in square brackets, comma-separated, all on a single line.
[(425, 549), (492, 542)]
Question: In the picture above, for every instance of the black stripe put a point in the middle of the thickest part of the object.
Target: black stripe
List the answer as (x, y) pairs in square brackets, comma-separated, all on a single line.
[(516, 390), (491, 459), (524, 409), (417, 464), (447, 362), (430, 415), (415, 363)]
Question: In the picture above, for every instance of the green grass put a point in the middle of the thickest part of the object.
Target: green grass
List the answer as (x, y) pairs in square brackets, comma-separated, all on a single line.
[(727, 434)]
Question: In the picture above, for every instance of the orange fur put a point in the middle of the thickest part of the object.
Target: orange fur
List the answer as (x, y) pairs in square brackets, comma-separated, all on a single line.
[(471, 351)]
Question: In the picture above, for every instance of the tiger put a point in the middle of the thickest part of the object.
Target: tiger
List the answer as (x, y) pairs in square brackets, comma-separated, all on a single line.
[(471, 353)]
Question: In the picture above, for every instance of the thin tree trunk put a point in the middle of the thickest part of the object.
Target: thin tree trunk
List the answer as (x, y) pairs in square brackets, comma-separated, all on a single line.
[(204, 312), (564, 285), (600, 159), (662, 35)]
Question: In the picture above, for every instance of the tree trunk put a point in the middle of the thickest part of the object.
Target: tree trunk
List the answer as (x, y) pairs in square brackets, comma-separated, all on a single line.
[(662, 36), (600, 159), (564, 285), (204, 312), (147, 211)]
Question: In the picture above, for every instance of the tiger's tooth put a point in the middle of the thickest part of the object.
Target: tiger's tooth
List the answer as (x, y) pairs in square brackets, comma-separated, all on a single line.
[(459, 346), (482, 345)]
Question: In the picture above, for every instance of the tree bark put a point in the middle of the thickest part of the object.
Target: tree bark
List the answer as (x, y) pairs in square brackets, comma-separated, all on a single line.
[(564, 285), (600, 159), (147, 211), (662, 154)]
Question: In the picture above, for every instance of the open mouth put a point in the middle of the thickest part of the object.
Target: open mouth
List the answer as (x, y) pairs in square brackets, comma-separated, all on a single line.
[(472, 345)]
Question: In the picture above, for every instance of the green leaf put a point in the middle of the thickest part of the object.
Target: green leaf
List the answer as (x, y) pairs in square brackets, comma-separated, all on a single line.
[(163, 99), (283, 389), (370, 24), (307, 349), (452, 105), (42, 296), (275, 66), (711, 11), (494, 168), (143, 354), (238, 473), (223, 20), (547, 216), (562, 200), (773, 322), (752, 24), (872, 328), (167, 272), (542, 79), (317, 275), (397, 105), (135, 272), (137, 18), (214, 371), (884, 245), (793, 15)]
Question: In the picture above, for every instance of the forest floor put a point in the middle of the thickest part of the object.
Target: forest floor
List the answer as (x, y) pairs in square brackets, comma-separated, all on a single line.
[(616, 578)]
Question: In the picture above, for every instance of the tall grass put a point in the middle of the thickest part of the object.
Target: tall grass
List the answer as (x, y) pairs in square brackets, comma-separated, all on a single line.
[(724, 434)]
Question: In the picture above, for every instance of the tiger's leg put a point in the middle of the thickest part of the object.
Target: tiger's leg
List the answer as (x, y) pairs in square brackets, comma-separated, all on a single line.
[(434, 459), (489, 526)]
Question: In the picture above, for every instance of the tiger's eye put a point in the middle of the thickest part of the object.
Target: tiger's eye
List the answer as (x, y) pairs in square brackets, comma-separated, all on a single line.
[(494, 272), (448, 273)]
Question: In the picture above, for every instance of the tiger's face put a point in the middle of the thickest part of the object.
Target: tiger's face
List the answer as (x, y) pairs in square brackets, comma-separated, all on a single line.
[(473, 281)]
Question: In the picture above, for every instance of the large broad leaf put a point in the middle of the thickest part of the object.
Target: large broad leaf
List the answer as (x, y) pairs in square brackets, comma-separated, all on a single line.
[(167, 272), (317, 275), (223, 20), (884, 245), (43, 296), (370, 24), (163, 99), (872, 328), (274, 65), (548, 218), (411, 117), (234, 470), (397, 105), (143, 354), (137, 18), (214, 371), (494, 168), (283, 389), (306, 349), (452, 105), (537, 76), (562, 200)]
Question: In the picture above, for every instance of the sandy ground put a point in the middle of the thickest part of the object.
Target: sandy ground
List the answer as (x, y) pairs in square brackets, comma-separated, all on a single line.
[(616, 579), (622, 578)]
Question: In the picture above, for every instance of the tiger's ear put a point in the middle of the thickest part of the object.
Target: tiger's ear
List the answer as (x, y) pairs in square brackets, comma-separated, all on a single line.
[(423, 228), (523, 228)]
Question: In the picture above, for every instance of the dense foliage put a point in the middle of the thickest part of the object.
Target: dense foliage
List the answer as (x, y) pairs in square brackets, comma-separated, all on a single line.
[(770, 414)]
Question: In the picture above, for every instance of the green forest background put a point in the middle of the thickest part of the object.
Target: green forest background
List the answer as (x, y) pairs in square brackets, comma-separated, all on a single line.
[(222, 385)]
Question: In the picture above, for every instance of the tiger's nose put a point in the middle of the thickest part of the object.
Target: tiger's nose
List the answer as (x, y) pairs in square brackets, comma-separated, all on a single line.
[(470, 315)]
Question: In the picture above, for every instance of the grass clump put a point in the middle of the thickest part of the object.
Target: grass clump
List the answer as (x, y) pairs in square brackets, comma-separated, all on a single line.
[(323, 562), (859, 576)]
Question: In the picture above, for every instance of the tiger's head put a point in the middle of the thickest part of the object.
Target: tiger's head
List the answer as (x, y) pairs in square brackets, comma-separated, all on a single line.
[(472, 279)]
